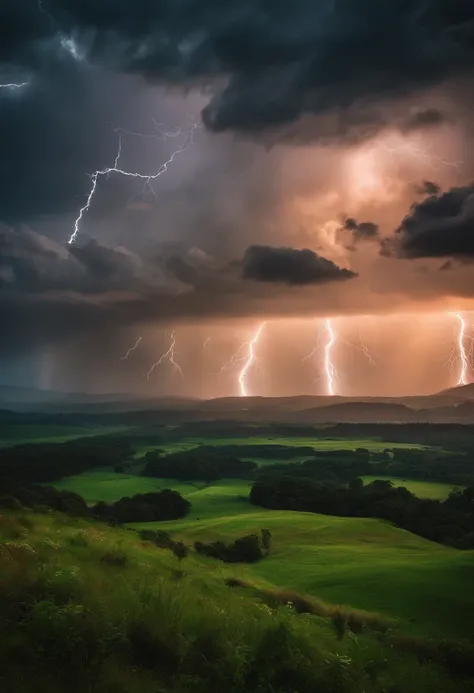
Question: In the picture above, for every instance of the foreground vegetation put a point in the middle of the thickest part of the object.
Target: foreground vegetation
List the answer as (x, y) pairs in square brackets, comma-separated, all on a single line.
[(84, 607)]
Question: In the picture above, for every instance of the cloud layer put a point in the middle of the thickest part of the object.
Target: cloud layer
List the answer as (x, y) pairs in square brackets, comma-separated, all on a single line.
[(276, 64), (440, 226), (290, 266)]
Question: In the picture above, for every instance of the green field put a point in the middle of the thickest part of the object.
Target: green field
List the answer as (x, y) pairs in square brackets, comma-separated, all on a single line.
[(373, 444), (361, 563), (87, 607), (16, 434), (423, 489)]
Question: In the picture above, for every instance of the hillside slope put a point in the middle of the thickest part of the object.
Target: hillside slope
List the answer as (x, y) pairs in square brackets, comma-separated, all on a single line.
[(84, 607)]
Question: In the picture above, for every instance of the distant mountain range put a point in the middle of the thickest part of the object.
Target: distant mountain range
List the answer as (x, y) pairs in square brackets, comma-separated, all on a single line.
[(455, 405)]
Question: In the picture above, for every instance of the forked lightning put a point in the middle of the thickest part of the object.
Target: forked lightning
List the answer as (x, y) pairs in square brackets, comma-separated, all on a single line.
[(148, 178), (168, 355)]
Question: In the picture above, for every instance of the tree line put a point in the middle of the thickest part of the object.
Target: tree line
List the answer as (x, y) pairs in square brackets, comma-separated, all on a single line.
[(447, 522), (44, 462)]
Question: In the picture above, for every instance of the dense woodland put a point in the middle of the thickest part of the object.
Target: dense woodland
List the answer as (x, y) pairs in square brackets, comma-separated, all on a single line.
[(45, 462), (448, 522), (340, 466), (199, 464), (144, 507)]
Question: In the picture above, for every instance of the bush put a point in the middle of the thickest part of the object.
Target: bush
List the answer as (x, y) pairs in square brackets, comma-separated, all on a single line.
[(144, 507), (247, 549)]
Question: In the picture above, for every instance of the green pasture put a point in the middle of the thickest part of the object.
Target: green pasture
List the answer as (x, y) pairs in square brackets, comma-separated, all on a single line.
[(221, 498), (16, 434), (423, 489), (357, 562)]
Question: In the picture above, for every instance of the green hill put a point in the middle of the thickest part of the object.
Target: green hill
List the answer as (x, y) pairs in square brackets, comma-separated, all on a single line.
[(359, 562), (88, 608)]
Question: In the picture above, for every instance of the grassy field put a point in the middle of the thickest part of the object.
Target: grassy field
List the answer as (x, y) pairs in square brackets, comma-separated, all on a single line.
[(372, 444), (222, 498), (89, 608), (18, 433), (361, 563), (422, 489)]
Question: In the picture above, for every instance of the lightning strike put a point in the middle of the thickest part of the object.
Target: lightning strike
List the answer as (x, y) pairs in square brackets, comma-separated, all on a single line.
[(206, 343), (461, 350), (436, 162), (363, 348), (147, 178), (168, 355), (14, 85), (249, 361), (329, 369), (124, 358)]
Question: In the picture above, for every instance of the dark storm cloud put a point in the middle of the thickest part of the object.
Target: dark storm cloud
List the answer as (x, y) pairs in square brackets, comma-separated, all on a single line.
[(440, 226), (363, 231), (290, 266), (278, 61), (428, 187), (31, 263), (51, 293), (421, 120)]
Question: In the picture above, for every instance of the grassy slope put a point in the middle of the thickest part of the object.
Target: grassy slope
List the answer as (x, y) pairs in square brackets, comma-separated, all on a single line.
[(363, 563), (422, 489), (88, 608)]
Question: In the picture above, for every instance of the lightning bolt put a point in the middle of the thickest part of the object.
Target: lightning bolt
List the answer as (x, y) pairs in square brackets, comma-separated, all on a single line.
[(329, 368), (14, 85), (436, 162), (147, 178), (363, 348), (248, 358), (206, 343), (124, 358), (249, 361), (168, 355), (462, 355)]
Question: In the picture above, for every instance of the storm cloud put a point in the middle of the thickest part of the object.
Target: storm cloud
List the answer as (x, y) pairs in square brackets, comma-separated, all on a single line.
[(276, 64), (290, 266), (440, 226)]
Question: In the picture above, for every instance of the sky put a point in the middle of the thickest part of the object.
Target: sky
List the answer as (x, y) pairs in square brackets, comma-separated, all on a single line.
[(180, 172)]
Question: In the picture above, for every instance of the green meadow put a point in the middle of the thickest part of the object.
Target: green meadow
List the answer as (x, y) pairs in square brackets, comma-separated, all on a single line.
[(86, 607), (356, 562)]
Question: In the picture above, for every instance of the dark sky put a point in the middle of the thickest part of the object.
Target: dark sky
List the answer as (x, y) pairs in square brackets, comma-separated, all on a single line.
[(324, 169)]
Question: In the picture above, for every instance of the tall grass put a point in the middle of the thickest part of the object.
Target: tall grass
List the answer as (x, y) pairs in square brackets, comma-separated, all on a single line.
[(89, 609)]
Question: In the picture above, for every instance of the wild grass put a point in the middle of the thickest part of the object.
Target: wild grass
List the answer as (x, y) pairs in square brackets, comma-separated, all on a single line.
[(71, 620), (361, 563)]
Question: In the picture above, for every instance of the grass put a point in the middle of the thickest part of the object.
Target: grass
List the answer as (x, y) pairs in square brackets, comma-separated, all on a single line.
[(16, 434), (423, 489), (362, 563), (84, 607), (373, 444), (358, 562), (100, 485)]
